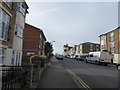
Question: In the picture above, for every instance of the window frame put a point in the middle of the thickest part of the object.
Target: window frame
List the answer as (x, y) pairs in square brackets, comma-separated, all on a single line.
[(9, 3), (19, 31), (16, 58), (112, 47), (5, 22), (112, 37), (2, 55), (21, 9)]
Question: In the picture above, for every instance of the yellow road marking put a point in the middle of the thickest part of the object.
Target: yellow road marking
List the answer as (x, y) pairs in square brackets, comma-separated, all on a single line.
[(79, 79)]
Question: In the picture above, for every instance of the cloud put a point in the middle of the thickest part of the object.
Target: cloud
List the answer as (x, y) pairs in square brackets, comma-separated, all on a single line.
[(72, 0), (47, 11)]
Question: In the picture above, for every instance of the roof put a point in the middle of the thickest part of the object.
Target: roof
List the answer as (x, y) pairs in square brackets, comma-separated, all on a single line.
[(66, 45), (37, 29), (33, 26), (110, 31), (88, 43)]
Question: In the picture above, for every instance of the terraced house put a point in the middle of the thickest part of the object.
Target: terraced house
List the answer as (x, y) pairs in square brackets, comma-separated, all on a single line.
[(111, 42), (12, 21)]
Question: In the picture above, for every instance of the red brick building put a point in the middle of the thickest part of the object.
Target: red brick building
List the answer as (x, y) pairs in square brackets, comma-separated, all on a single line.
[(33, 41)]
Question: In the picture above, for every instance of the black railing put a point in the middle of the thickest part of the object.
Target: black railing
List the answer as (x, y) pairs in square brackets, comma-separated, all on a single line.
[(12, 77), (20, 77)]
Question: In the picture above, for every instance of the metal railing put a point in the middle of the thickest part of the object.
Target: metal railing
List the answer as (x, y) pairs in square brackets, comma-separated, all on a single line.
[(12, 77)]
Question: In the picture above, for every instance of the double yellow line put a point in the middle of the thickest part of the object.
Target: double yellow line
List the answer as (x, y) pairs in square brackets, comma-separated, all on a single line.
[(79, 80)]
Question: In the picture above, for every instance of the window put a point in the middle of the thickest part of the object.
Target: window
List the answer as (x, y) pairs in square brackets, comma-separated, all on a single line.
[(112, 47), (91, 46), (21, 8), (39, 46), (30, 53), (111, 37), (103, 37), (103, 47), (2, 55), (16, 58), (97, 49), (97, 46), (119, 35), (91, 55), (119, 41), (19, 31), (9, 3), (4, 25), (91, 49)]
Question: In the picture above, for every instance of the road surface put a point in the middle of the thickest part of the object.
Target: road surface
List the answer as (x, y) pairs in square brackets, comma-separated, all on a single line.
[(69, 73)]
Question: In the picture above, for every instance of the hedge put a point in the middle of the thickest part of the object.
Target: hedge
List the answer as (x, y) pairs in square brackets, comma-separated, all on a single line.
[(38, 58)]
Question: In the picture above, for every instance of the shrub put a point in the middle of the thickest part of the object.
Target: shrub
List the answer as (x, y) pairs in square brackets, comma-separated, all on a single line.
[(38, 58)]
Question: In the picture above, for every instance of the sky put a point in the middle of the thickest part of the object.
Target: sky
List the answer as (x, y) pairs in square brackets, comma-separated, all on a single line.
[(73, 22)]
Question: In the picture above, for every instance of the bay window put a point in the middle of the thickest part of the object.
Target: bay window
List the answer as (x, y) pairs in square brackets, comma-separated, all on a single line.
[(21, 8), (2, 55), (19, 31), (112, 47), (16, 58), (9, 3), (112, 37), (4, 24)]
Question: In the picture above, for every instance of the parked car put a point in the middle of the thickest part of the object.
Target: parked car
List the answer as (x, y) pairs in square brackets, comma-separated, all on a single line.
[(65, 56), (75, 57), (71, 57), (99, 57), (59, 57), (118, 66), (80, 58)]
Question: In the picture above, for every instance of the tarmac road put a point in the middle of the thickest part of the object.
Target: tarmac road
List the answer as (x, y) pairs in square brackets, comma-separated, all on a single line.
[(69, 73)]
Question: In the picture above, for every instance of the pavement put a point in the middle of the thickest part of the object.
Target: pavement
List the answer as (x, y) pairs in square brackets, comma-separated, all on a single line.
[(69, 73), (55, 76)]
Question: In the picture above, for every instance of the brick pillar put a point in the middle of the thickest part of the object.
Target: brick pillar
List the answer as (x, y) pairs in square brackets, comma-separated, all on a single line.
[(28, 71)]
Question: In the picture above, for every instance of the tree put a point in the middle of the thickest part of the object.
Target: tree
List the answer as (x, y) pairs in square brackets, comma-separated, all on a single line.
[(48, 49)]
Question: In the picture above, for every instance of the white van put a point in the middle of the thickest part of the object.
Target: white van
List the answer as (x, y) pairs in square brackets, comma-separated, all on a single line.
[(99, 57)]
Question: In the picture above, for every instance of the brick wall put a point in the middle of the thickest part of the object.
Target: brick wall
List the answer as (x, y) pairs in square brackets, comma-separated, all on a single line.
[(31, 39)]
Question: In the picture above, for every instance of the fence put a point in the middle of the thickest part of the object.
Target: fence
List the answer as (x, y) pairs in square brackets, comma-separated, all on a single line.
[(12, 77), (20, 77)]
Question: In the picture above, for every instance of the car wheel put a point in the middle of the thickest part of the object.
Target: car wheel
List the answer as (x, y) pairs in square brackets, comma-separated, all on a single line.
[(96, 62), (118, 67)]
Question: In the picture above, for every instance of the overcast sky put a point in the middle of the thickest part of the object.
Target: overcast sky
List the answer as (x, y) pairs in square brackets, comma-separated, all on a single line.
[(73, 22)]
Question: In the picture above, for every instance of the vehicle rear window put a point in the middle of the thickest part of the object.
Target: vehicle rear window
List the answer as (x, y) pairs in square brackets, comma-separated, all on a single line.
[(91, 55)]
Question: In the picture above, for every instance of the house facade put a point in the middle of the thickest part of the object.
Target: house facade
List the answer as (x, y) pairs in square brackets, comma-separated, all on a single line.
[(12, 19), (77, 51), (67, 50), (119, 13), (33, 41), (84, 48), (72, 51), (111, 42)]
